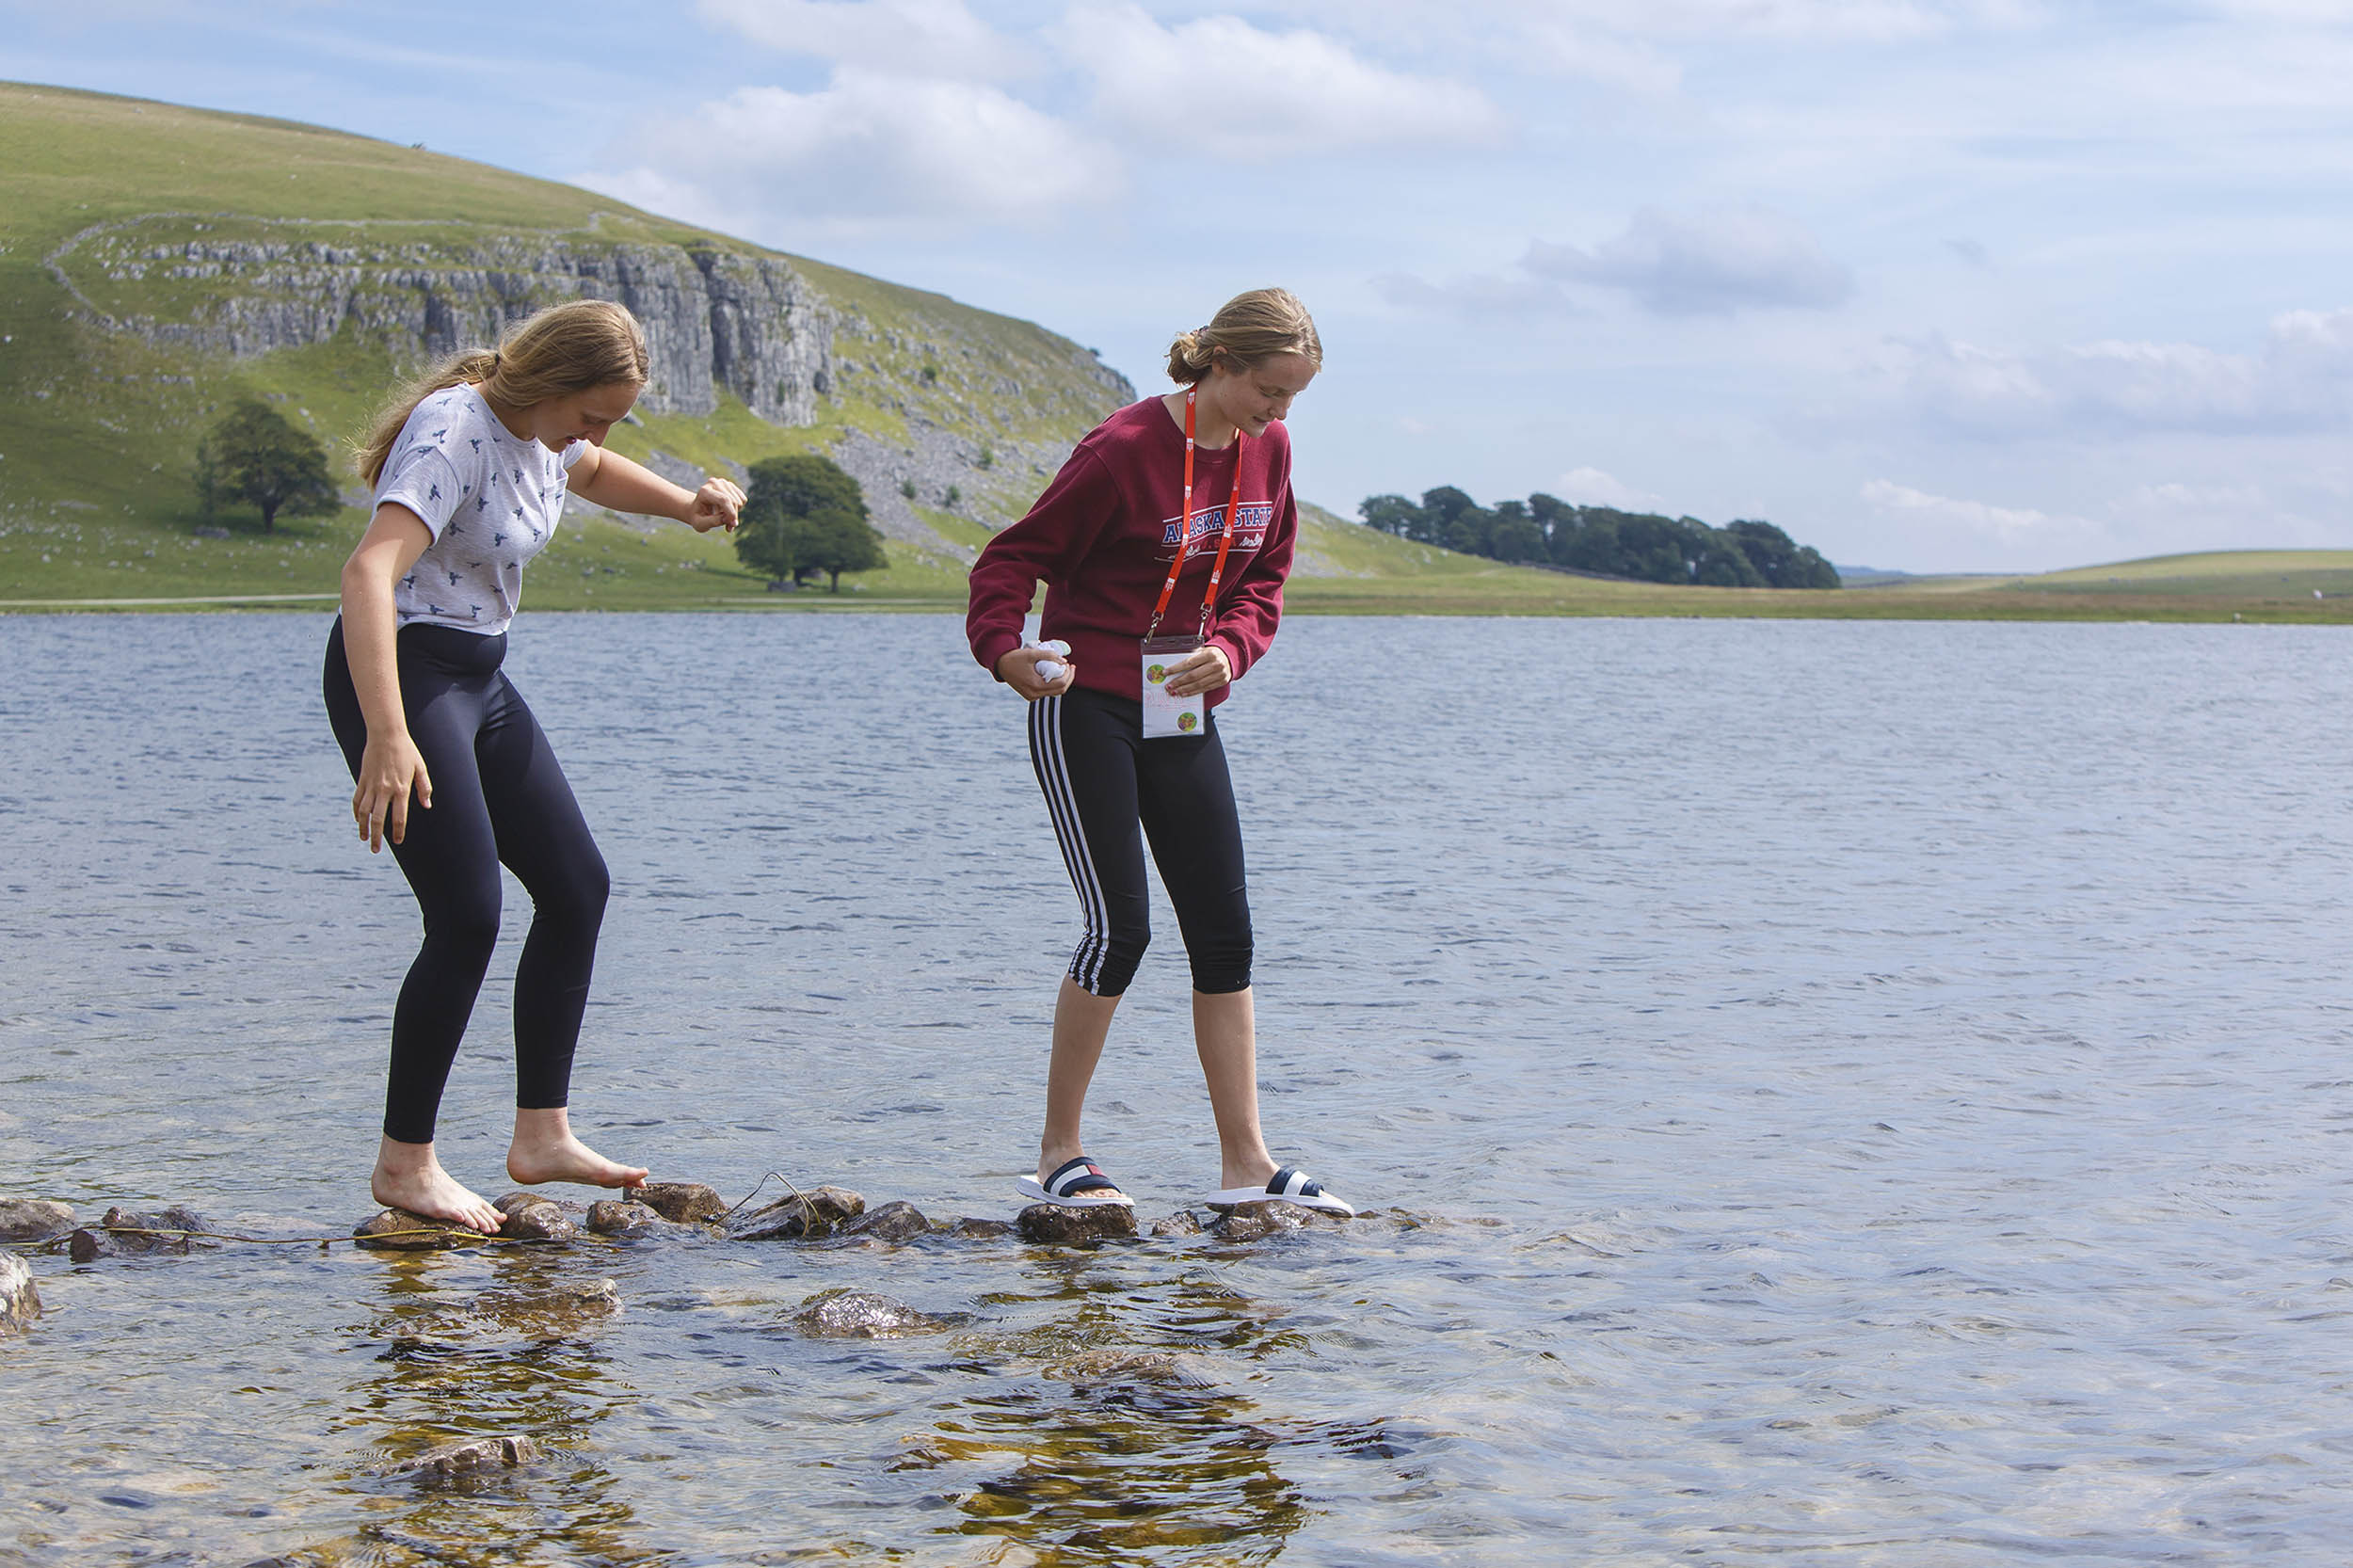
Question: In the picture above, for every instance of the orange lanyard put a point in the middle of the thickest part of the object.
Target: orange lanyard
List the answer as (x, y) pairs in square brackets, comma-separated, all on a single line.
[(1184, 534)]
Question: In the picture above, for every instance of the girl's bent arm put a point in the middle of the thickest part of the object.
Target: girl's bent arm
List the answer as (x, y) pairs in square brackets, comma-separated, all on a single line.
[(391, 767), (610, 480)]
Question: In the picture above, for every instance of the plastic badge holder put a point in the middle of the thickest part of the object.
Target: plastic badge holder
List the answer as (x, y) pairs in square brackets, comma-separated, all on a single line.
[(1166, 717)]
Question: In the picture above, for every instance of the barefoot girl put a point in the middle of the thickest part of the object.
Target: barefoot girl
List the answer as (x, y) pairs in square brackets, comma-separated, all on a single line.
[(1174, 516), (471, 466)]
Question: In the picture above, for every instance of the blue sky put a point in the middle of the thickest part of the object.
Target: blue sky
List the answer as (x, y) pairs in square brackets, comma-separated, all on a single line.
[(1936, 284)]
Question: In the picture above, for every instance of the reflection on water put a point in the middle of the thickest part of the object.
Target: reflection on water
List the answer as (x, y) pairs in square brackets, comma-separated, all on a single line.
[(1828, 1094)]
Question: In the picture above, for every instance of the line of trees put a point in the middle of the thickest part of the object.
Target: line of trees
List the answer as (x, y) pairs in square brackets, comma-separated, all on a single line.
[(1544, 530), (803, 514)]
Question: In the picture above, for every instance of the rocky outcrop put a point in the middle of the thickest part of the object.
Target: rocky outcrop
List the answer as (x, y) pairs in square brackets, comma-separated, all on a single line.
[(714, 319), (20, 1304)]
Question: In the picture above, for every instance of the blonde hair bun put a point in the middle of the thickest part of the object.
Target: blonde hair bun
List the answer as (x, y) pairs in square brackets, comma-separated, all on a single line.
[(1249, 330)]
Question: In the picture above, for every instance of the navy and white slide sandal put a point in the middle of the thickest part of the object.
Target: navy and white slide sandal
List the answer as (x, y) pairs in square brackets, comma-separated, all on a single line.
[(1288, 1186), (1072, 1184)]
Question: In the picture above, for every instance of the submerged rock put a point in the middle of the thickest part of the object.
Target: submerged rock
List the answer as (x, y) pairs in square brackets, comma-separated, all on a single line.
[(397, 1230), (33, 1219), (459, 1459), (892, 1221), (686, 1202), (1183, 1222), (534, 1219), (797, 1215), (971, 1229), (20, 1304), (1118, 1365), (1253, 1222), (863, 1315), (554, 1313), (1055, 1225)]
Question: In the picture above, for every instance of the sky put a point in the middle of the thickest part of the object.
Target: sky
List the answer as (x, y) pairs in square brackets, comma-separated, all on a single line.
[(1935, 285)]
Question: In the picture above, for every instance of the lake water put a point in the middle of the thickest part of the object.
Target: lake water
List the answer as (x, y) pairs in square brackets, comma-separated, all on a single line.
[(1839, 1093)]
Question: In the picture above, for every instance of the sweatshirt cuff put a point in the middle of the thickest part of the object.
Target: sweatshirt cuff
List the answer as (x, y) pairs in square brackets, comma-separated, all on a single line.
[(1235, 659), (989, 649)]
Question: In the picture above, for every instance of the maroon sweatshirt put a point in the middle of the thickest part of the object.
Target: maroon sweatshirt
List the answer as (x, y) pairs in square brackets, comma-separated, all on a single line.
[(1102, 535)]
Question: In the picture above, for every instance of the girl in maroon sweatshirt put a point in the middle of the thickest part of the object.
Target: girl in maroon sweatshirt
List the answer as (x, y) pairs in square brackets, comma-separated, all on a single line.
[(1173, 515)]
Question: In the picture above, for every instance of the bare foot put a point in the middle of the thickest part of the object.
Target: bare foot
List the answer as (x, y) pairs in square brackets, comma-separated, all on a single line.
[(409, 1176), (544, 1149)]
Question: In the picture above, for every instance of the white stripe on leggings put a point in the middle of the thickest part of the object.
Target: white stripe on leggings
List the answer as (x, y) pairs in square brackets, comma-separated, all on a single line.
[(1062, 804)]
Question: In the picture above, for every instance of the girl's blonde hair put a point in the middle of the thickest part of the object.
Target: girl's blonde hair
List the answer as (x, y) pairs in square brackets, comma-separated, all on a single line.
[(1248, 329), (564, 349)]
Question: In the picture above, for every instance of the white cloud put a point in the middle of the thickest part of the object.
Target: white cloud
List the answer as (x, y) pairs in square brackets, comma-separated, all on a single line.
[(1590, 486), (2300, 379), (1707, 263), (1234, 91), (2003, 525), (867, 151), (904, 38)]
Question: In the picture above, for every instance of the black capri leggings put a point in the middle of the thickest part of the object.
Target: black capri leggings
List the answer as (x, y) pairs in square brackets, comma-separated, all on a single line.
[(498, 797), (1101, 777)]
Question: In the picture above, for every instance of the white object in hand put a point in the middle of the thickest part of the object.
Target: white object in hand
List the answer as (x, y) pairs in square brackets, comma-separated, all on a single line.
[(1057, 645), (1047, 670)]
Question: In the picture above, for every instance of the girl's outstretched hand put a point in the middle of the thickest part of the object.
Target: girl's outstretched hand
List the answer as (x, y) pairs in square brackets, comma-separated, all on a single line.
[(717, 505), (389, 770)]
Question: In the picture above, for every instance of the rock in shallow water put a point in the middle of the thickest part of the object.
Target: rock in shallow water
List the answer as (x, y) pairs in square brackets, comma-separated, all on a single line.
[(893, 1222), (530, 1218), (20, 1304), (127, 1232), (1183, 1222), (459, 1459), (397, 1230), (686, 1202), (1054, 1225), (971, 1229), (797, 1215), (33, 1219), (863, 1315), (1251, 1222)]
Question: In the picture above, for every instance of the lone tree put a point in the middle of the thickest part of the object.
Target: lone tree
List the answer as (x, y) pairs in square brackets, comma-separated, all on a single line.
[(803, 516), (255, 454)]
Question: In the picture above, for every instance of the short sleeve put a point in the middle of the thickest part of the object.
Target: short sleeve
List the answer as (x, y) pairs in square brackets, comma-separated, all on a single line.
[(573, 452), (423, 479)]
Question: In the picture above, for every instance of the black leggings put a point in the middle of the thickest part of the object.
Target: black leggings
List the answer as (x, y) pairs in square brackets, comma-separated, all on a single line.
[(1101, 776), (498, 798)]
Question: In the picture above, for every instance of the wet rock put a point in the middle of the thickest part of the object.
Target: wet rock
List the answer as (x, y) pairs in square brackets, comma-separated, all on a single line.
[(1051, 1224), (686, 1202), (89, 1246), (556, 1312), (461, 1459), (397, 1230), (1183, 1222), (892, 1221), (797, 1215), (623, 1218), (863, 1315), (537, 1221), (521, 1197), (20, 1304), (971, 1229), (33, 1219), (1254, 1222), (1112, 1365), (129, 1233)]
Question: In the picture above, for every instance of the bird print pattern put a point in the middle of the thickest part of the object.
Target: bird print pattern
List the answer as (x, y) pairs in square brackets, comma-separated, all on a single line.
[(453, 451)]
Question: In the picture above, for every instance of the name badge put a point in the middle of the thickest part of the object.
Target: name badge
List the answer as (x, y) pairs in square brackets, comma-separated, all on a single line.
[(1167, 718)]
